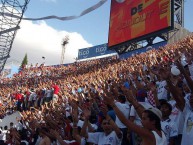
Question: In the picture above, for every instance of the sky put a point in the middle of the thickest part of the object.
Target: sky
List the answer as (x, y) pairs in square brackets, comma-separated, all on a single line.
[(44, 38)]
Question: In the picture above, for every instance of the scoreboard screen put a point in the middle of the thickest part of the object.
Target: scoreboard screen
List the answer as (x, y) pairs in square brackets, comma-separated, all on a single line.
[(134, 19)]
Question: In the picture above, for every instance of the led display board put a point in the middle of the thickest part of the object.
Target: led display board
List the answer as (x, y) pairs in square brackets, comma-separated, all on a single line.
[(136, 19)]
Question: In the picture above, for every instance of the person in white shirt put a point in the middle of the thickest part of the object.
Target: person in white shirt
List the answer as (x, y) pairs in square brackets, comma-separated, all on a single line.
[(151, 132), (125, 109), (177, 117), (187, 109), (31, 97), (112, 135), (185, 106), (48, 95), (4, 132), (168, 126), (161, 90)]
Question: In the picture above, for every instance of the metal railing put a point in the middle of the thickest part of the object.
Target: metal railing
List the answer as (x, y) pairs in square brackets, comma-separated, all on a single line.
[(9, 25)]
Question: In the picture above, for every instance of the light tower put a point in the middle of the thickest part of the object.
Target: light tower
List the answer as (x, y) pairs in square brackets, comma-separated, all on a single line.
[(11, 13), (64, 43)]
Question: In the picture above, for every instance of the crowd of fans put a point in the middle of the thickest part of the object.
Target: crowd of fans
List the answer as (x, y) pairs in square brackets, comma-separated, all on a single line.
[(145, 99)]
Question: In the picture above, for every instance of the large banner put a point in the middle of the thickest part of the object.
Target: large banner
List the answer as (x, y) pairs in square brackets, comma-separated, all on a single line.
[(94, 51), (133, 19)]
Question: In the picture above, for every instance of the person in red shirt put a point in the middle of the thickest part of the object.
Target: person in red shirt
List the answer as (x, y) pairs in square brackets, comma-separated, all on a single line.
[(19, 97), (56, 90)]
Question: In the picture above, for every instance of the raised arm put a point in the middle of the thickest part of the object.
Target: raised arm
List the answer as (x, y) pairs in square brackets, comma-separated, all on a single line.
[(55, 134), (130, 97), (144, 133), (173, 89), (113, 124), (85, 125), (76, 135), (187, 77)]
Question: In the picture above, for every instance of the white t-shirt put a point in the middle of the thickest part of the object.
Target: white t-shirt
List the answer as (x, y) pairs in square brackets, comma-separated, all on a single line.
[(48, 93), (188, 126), (31, 96), (124, 108), (4, 132), (177, 117), (160, 140), (161, 91), (133, 112), (100, 138), (169, 128)]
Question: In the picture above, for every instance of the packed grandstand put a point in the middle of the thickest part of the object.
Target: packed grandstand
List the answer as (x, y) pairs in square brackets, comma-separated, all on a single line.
[(146, 98)]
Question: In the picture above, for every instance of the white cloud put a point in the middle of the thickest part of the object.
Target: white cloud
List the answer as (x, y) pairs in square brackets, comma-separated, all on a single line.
[(39, 39)]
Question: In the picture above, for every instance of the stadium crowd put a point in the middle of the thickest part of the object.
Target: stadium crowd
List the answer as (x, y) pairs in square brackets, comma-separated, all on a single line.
[(145, 99)]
